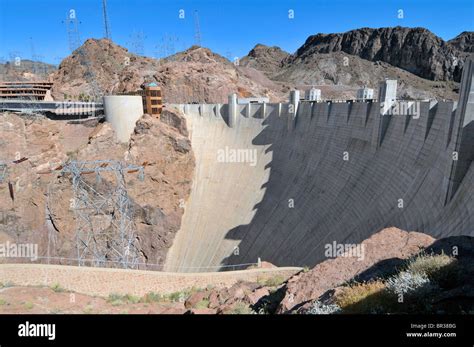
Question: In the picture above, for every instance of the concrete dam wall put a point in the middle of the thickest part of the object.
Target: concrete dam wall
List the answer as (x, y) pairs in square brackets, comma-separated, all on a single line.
[(282, 181)]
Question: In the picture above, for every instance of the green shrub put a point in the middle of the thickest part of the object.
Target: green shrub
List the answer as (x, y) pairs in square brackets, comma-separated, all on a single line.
[(57, 288), (118, 299), (368, 297), (131, 299), (441, 269), (151, 298), (204, 303), (6, 284), (241, 308), (88, 309), (181, 296), (272, 281)]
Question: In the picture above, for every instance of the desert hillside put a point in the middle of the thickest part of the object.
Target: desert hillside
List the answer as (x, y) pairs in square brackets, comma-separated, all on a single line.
[(197, 74), (425, 65)]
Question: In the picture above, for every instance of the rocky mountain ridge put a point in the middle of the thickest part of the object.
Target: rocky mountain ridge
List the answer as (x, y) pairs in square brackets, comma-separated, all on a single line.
[(416, 50), (425, 65), (197, 74), (464, 42), (25, 70)]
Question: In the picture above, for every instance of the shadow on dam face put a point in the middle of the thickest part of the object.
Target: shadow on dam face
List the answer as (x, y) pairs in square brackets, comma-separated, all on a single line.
[(337, 172)]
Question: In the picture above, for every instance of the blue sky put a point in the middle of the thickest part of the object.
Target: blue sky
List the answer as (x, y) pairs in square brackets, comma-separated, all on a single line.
[(229, 27)]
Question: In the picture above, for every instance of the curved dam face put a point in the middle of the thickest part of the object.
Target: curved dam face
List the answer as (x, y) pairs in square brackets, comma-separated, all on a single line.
[(281, 186), (223, 194)]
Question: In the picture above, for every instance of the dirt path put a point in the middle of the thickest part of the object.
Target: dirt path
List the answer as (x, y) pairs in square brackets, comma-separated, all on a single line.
[(103, 282)]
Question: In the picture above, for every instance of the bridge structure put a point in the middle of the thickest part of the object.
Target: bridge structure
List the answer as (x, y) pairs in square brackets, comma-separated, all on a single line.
[(60, 109)]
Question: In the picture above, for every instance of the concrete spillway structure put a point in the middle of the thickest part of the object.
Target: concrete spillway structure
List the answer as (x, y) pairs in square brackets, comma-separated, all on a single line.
[(122, 112), (331, 172)]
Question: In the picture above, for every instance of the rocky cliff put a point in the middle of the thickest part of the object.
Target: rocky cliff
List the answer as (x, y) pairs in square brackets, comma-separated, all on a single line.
[(424, 65), (266, 59), (416, 50), (35, 198), (464, 42)]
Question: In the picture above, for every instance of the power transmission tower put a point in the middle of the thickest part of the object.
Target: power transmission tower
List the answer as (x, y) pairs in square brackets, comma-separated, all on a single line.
[(72, 27), (170, 43), (38, 67), (41, 66), (167, 47), (105, 230), (34, 58), (15, 60), (89, 73), (2, 68), (197, 29), (137, 45), (107, 33)]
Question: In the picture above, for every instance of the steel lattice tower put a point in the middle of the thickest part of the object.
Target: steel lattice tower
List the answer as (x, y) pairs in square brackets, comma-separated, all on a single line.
[(75, 44), (137, 45), (107, 33), (105, 231), (197, 29), (89, 73), (72, 26)]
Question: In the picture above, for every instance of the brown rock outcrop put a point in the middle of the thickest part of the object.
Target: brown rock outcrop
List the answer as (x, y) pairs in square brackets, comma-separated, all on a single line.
[(464, 42), (383, 252), (41, 208), (195, 75), (416, 50)]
